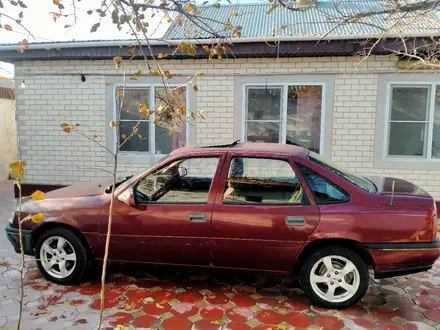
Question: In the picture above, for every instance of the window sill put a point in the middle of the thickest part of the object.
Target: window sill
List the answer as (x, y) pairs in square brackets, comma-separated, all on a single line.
[(408, 163)]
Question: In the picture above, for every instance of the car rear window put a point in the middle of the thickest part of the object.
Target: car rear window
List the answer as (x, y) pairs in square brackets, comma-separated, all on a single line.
[(354, 178)]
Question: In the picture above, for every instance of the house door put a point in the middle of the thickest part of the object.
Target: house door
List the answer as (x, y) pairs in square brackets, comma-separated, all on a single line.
[(263, 216)]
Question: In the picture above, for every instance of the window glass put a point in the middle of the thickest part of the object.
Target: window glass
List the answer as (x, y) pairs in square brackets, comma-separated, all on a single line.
[(136, 132), (409, 120), (262, 181), (164, 142), (130, 118), (266, 109), (436, 128), (354, 178), (324, 191), (181, 181), (304, 116)]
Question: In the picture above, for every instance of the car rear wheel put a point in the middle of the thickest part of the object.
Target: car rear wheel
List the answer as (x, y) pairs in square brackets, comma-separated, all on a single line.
[(62, 256), (334, 277)]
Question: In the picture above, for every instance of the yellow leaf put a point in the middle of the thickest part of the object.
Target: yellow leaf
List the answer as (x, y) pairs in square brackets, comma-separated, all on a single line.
[(120, 93), (154, 73), (168, 75), (156, 121), (206, 48), (8, 27), (281, 327), (38, 195), (142, 108), (200, 74), (138, 72), (355, 20), (17, 169), (169, 19), (123, 136), (56, 2), (191, 7), (195, 88), (108, 84), (113, 124), (182, 110), (37, 217), (171, 131), (118, 61), (67, 129), (159, 306), (64, 125), (161, 108), (133, 78), (215, 322), (131, 51), (217, 5), (121, 327)]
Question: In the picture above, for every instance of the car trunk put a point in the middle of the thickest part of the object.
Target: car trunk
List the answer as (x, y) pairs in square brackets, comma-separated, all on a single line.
[(401, 187)]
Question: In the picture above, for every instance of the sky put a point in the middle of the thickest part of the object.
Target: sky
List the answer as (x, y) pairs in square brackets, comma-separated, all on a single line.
[(39, 21)]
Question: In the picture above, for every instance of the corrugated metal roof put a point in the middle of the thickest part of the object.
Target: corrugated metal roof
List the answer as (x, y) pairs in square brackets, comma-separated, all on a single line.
[(318, 21)]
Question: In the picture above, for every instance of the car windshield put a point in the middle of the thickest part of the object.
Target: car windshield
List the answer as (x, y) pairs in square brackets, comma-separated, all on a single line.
[(354, 178)]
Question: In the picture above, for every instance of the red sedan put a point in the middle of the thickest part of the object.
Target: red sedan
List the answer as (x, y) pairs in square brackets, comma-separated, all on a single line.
[(247, 206)]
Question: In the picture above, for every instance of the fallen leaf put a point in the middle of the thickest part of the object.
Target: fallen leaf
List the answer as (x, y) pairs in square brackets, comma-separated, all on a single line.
[(37, 217), (215, 322), (159, 306), (38, 195), (118, 61)]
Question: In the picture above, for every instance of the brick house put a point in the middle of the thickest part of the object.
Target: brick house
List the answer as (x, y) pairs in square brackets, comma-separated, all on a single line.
[(367, 114)]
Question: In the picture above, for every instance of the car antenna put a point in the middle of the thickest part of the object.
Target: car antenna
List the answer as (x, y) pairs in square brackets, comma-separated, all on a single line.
[(392, 194)]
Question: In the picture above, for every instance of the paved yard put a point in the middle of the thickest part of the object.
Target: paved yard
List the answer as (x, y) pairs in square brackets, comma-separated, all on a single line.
[(174, 298)]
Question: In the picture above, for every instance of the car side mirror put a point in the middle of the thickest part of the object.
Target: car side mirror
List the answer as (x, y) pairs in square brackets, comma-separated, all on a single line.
[(182, 172), (127, 197)]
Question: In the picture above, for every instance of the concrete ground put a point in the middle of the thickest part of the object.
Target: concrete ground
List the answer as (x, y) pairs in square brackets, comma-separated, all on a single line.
[(174, 298)]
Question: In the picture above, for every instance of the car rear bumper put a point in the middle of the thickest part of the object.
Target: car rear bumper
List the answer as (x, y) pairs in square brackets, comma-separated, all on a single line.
[(398, 259), (13, 237)]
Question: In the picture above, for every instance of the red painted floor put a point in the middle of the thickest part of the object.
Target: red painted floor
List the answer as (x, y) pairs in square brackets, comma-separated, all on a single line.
[(170, 298)]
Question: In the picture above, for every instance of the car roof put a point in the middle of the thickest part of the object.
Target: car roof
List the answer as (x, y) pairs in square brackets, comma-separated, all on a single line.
[(269, 148)]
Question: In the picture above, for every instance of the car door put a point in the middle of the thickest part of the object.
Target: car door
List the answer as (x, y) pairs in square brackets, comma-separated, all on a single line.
[(170, 219), (263, 213)]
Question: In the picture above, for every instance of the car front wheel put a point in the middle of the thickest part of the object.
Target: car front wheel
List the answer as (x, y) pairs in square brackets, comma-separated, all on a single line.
[(62, 256), (334, 277)]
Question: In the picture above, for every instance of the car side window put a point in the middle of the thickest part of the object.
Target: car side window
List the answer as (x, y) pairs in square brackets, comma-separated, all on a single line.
[(262, 181), (181, 181), (324, 191)]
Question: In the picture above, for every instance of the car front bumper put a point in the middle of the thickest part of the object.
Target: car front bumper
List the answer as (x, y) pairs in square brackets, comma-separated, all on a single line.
[(13, 237), (398, 259)]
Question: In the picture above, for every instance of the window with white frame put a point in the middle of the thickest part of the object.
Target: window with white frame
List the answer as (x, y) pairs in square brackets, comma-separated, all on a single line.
[(284, 113), (414, 121), (150, 136)]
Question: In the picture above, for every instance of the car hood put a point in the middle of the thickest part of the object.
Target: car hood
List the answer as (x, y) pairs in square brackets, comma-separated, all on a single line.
[(80, 190), (401, 187)]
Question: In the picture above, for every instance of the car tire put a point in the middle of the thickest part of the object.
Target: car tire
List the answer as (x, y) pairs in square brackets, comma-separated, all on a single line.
[(343, 286), (62, 256)]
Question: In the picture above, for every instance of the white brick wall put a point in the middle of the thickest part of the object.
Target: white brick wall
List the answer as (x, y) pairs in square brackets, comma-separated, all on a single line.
[(54, 94)]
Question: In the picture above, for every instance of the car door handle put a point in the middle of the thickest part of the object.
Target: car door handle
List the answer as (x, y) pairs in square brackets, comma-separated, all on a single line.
[(292, 220), (197, 217)]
